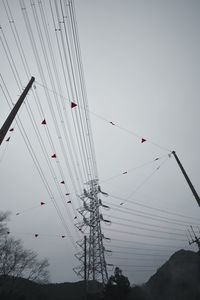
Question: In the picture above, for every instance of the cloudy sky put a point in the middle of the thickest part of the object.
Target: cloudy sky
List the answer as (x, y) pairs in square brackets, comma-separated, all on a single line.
[(141, 68)]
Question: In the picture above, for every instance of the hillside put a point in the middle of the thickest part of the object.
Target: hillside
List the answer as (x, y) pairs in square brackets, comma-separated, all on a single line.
[(177, 279), (23, 289)]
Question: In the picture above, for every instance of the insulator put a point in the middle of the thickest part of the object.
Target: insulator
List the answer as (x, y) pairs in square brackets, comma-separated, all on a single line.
[(106, 238), (103, 205), (107, 221), (109, 251), (100, 191), (106, 206), (104, 220)]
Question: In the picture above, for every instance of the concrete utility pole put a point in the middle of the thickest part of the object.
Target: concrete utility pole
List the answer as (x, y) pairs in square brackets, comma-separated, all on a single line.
[(195, 240), (196, 196), (4, 129)]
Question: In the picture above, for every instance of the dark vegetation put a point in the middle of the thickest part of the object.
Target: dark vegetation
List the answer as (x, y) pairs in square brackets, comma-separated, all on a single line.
[(177, 279), (24, 277), (16, 263)]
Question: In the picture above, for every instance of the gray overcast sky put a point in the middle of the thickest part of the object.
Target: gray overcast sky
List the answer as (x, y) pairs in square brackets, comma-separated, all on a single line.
[(141, 65)]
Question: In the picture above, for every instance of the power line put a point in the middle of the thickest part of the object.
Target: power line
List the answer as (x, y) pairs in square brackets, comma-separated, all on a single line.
[(144, 223), (152, 207), (131, 211), (145, 235)]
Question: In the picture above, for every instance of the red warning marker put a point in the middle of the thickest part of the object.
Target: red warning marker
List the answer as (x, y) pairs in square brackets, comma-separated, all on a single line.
[(8, 139), (42, 203), (143, 140), (62, 182), (53, 156), (44, 122), (36, 235), (69, 201), (73, 104), (11, 129), (63, 236)]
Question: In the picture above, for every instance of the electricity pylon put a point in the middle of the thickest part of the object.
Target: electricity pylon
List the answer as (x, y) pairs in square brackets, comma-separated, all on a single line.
[(94, 267)]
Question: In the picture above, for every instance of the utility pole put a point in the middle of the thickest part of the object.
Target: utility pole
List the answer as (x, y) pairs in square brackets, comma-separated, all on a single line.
[(187, 178), (194, 239), (4, 129)]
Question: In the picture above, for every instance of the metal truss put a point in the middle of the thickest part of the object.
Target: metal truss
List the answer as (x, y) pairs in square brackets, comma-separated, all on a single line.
[(95, 266)]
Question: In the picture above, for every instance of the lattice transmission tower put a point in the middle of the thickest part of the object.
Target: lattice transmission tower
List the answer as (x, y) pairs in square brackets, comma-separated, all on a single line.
[(95, 267)]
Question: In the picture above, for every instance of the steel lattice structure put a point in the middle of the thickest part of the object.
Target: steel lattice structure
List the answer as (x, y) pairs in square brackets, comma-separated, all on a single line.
[(96, 267)]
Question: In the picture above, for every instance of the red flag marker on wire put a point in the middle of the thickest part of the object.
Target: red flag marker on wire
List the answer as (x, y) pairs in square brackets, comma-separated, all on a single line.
[(69, 201), (143, 140), (11, 129), (44, 122), (62, 182), (36, 235), (53, 156), (42, 203), (73, 104)]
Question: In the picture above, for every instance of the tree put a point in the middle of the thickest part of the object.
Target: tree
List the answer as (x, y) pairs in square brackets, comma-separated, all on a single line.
[(118, 286), (3, 223), (17, 262)]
